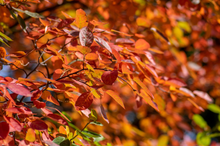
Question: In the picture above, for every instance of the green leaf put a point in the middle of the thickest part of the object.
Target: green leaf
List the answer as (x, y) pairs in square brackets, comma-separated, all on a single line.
[(96, 123), (202, 139), (199, 121), (91, 134), (59, 139), (214, 108), (93, 115), (32, 14), (5, 36), (66, 142), (21, 22), (69, 118), (1, 40), (109, 144)]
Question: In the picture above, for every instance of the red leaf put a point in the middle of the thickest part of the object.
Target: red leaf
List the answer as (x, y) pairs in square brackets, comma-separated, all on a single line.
[(86, 37), (58, 119), (46, 111), (38, 125), (14, 124), (109, 77), (39, 104), (4, 130), (14, 110), (36, 95), (65, 22), (84, 101), (104, 114), (19, 89), (138, 101)]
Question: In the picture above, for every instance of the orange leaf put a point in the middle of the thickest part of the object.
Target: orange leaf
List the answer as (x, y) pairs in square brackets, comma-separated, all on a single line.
[(142, 45), (140, 83), (83, 49), (91, 56), (115, 97), (81, 19), (30, 135), (148, 100), (2, 52)]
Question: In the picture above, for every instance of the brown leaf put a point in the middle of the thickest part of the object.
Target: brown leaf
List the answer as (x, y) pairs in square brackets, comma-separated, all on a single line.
[(86, 37)]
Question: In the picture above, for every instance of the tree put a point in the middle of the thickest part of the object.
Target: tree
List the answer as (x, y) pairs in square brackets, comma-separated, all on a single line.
[(108, 72)]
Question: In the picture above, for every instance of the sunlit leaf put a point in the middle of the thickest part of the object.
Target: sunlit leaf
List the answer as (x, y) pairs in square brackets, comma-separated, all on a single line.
[(115, 97), (30, 135), (142, 45), (81, 19), (2, 52), (199, 121)]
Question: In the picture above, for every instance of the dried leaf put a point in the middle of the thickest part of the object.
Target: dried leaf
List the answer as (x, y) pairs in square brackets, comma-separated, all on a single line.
[(104, 116), (86, 37), (103, 43)]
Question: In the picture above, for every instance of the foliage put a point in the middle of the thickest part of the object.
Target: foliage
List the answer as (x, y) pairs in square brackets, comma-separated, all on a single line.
[(122, 72)]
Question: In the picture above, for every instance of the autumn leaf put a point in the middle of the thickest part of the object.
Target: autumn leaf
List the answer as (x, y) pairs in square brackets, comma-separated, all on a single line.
[(84, 101), (2, 52), (38, 125), (91, 56), (30, 135), (4, 130), (109, 77), (86, 37), (81, 19), (142, 45), (19, 89), (115, 97)]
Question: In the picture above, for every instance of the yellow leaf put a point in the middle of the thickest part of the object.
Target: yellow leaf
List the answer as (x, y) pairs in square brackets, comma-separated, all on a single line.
[(81, 19), (163, 140), (115, 97), (30, 135), (148, 100), (140, 83)]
